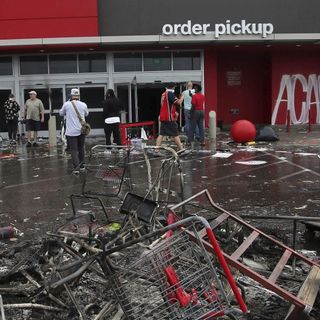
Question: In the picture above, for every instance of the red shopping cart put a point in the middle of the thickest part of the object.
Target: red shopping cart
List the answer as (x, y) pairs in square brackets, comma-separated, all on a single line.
[(176, 279)]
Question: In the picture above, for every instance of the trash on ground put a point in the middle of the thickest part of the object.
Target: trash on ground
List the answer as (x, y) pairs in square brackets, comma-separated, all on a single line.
[(252, 162)]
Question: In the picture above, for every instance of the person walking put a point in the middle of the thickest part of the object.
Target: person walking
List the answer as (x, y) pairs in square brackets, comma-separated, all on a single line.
[(111, 113), (187, 96), (197, 115), (75, 138), (169, 116), (11, 110), (34, 114)]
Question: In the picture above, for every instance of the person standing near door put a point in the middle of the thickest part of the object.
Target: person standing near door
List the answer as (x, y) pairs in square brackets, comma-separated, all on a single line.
[(11, 109), (34, 114), (197, 115), (111, 113), (187, 96), (74, 136)]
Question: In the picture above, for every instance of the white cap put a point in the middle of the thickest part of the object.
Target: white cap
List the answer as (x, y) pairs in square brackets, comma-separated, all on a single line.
[(32, 92), (75, 92)]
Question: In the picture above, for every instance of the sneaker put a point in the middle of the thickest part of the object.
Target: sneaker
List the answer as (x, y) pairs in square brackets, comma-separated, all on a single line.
[(35, 144), (75, 172), (28, 144), (82, 168)]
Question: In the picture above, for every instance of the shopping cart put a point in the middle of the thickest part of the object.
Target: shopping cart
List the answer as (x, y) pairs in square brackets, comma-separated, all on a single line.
[(161, 179), (176, 279), (107, 171)]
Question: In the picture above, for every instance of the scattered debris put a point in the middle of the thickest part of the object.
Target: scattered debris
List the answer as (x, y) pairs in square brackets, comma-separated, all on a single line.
[(222, 155), (252, 162)]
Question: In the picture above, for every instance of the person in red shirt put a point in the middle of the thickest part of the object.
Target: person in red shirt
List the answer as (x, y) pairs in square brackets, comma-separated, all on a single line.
[(197, 115), (169, 116)]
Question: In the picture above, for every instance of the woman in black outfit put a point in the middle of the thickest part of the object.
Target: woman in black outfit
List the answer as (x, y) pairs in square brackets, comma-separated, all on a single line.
[(111, 113), (11, 108)]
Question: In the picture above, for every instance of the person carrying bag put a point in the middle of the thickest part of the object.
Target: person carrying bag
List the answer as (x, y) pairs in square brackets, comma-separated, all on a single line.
[(85, 126), (77, 128)]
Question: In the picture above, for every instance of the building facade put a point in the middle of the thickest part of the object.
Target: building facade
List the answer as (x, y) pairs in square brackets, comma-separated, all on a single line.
[(256, 60)]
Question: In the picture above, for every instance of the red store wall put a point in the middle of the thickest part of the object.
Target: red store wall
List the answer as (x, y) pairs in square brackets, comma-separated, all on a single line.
[(45, 19), (298, 62), (210, 81), (244, 89)]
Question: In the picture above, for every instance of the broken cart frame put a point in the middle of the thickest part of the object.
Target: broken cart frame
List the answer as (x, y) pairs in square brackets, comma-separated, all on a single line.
[(174, 279), (302, 303)]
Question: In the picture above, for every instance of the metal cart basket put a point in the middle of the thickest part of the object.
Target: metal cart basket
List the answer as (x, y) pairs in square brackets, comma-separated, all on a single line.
[(107, 171), (176, 279)]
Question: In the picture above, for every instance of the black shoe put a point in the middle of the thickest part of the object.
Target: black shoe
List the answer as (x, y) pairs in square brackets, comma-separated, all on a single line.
[(35, 144), (28, 144), (75, 172)]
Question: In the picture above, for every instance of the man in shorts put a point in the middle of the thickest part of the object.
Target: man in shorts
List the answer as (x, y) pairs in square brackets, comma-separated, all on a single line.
[(34, 114), (169, 116)]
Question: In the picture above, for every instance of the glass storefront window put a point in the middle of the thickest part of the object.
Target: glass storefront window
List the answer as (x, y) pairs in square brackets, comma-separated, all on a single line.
[(5, 66), (127, 62), (56, 97), (92, 62), (186, 61), (63, 63), (157, 61), (33, 65)]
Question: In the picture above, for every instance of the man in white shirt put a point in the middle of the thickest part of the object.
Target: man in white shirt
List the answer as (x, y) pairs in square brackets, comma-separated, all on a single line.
[(73, 129)]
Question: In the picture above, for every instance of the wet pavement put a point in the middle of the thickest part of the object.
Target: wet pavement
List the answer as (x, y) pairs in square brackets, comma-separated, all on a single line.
[(265, 179), (276, 178)]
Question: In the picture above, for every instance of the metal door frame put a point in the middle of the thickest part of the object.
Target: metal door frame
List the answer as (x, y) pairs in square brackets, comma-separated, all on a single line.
[(49, 87), (129, 84)]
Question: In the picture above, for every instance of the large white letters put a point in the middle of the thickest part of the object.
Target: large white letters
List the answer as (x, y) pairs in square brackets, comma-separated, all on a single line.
[(288, 85), (219, 29)]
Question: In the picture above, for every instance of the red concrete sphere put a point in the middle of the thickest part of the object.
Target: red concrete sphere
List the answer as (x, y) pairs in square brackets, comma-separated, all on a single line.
[(243, 131)]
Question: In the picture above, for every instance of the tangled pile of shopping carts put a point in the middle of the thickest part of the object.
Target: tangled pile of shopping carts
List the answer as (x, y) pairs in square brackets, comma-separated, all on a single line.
[(156, 267)]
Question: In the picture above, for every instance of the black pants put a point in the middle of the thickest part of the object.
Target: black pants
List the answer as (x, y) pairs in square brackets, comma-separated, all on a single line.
[(12, 129), (76, 145), (114, 129)]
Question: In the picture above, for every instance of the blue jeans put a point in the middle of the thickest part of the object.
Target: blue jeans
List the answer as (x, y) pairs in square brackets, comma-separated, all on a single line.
[(187, 122), (196, 121)]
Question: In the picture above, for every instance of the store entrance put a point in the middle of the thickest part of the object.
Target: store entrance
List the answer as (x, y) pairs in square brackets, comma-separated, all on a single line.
[(149, 96), (52, 99), (141, 101)]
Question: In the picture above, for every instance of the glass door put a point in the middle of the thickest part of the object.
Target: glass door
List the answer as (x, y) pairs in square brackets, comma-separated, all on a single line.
[(92, 95), (51, 97), (125, 94)]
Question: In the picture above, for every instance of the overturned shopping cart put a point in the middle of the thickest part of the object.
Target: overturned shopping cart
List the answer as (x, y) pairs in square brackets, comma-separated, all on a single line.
[(176, 279)]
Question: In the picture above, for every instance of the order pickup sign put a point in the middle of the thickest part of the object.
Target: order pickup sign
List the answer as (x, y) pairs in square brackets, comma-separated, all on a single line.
[(219, 29)]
